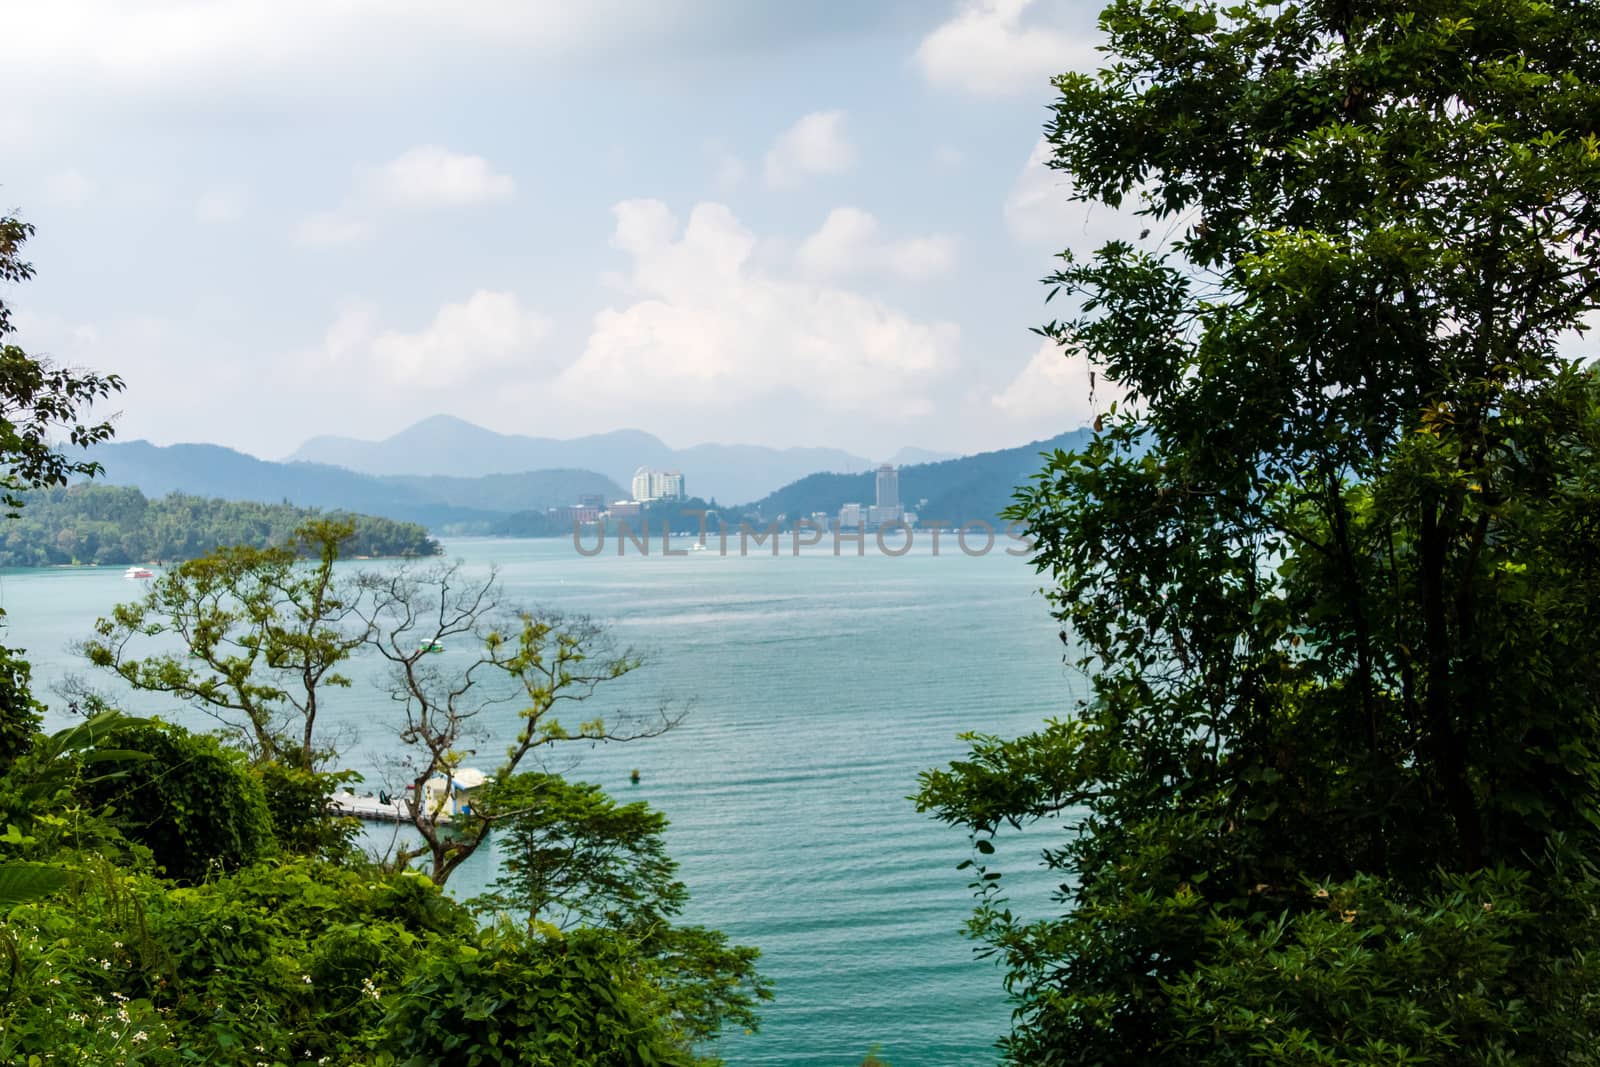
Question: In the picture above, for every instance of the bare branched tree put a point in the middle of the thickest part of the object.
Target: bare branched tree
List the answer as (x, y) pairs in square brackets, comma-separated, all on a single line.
[(528, 665)]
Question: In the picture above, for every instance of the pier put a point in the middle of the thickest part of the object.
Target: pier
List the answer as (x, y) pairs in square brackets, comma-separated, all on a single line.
[(370, 807)]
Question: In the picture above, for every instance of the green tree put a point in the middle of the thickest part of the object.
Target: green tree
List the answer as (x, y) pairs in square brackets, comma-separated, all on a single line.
[(261, 632), (38, 402), (572, 856), (1331, 565)]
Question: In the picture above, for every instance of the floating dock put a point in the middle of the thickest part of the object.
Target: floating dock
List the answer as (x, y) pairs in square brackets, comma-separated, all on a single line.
[(370, 807)]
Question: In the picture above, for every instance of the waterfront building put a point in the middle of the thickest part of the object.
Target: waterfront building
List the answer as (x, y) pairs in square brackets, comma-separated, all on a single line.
[(650, 485), (889, 487)]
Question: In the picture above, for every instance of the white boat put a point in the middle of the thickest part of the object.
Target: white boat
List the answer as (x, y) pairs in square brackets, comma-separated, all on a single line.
[(138, 572)]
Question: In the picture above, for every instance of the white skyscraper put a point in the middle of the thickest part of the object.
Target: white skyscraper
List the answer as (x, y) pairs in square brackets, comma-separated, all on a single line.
[(651, 485)]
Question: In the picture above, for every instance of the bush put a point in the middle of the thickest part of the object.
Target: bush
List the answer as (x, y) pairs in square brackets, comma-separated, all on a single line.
[(192, 802), (518, 999)]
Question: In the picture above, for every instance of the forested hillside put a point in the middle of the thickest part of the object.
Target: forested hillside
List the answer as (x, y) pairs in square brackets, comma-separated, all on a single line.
[(111, 525), (958, 490)]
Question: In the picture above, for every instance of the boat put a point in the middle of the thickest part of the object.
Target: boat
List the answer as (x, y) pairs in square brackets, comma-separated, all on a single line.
[(430, 646), (698, 546), (138, 572)]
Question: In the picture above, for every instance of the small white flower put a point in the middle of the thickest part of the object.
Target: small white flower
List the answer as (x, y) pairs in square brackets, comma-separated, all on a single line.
[(141, 1037), (306, 978)]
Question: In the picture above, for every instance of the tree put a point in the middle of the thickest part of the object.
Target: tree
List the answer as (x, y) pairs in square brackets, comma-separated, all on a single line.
[(573, 856), (1331, 563), (37, 400), (262, 632), (538, 664)]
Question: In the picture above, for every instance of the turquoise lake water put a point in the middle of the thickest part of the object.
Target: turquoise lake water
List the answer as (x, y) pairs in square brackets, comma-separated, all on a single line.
[(819, 687)]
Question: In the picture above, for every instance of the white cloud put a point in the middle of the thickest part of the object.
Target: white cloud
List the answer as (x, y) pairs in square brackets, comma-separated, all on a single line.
[(330, 228), (848, 242), (421, 177), (221, 204), (489, 332), (814, 145), (429, 175), (709, 330), (986, 49), (1055, 391), (71, 186), (281, 46), (1039, 210)]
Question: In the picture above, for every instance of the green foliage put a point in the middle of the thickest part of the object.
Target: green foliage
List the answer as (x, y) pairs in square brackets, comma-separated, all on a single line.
[(286, 963), (193, 803), (263, 631), (1331, 562), (506, 998), (40, 403), (20, 714), (297, 802), (573, 856), (1367, 974), (116, 525)]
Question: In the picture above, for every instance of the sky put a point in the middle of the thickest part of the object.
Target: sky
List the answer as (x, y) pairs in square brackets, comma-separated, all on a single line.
[(717, 221)]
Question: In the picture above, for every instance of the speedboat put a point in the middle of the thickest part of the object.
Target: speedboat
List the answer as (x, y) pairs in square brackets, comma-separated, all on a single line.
[(138, 572)]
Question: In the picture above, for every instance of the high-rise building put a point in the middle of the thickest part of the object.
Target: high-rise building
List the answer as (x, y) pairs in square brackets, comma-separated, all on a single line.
[(888, 487), (651, 485)]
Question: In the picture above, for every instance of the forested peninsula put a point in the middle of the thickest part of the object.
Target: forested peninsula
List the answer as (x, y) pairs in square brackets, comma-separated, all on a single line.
[(112, 525)]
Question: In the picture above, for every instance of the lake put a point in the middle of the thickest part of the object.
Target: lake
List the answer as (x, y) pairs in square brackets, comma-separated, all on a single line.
[(819, 686)]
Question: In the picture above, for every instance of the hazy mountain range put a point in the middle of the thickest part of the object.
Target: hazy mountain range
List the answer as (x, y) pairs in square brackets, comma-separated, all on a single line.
[(463, 501), (445, 445), (435, 501)]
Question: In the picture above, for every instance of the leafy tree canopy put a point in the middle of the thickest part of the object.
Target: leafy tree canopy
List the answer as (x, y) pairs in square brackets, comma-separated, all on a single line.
[(1332, 562)]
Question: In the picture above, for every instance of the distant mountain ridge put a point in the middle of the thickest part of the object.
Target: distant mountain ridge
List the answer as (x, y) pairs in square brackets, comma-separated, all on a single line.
[(215, 471), (444, 445), (956, 490)]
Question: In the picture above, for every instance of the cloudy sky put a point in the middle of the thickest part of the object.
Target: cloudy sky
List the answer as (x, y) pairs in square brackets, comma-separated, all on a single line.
[(715, 220)]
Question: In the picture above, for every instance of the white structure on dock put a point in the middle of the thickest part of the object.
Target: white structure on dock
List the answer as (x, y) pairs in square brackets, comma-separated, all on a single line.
[(442, 798)]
